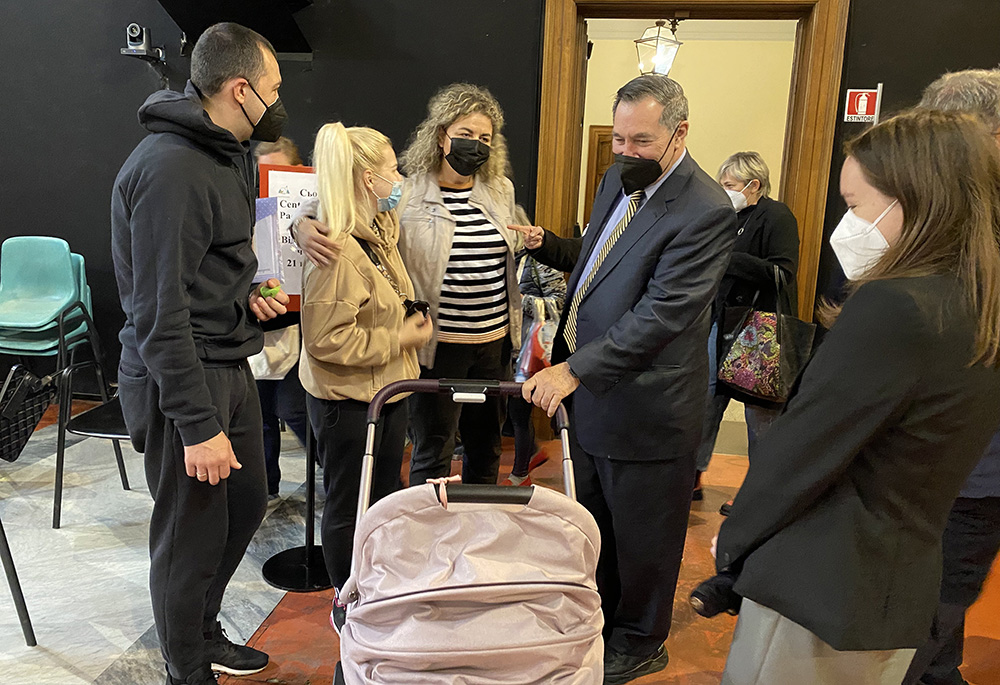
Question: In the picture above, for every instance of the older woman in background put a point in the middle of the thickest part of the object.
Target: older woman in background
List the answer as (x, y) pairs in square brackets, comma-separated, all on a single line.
[(767, 236)]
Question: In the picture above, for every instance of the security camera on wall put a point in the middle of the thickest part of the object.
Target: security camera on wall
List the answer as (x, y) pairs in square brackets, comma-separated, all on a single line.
[(139, 43)]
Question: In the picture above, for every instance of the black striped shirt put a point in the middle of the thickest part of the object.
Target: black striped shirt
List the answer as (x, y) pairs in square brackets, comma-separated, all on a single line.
[(473, 305)]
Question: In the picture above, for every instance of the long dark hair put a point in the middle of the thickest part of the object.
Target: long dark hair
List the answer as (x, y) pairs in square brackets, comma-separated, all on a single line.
[(944, 169)]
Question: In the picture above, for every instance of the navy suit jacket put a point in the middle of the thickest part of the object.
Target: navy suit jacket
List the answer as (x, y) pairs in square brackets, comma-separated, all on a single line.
[(642, 327)]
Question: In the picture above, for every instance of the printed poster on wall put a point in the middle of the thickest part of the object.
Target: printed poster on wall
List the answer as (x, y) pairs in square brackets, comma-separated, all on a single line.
[(290, 185)]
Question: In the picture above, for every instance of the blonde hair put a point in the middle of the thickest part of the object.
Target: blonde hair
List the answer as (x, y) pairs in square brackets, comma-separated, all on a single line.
[(423, 154), (341, 156), (745, 167)]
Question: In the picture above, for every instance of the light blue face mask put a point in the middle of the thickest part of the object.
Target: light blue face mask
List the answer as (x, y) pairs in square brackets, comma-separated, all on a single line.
[(386, 203)]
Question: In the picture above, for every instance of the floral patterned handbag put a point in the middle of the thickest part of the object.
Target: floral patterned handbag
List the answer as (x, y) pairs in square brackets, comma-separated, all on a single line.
[(765, 352)]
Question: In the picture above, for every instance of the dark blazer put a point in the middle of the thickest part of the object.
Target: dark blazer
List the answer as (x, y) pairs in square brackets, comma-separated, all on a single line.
[(642, 326), (984, 481), (838, 524), (767, 235)]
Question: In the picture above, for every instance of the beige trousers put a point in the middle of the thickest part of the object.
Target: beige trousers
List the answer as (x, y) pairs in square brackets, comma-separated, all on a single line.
[(769, 649)]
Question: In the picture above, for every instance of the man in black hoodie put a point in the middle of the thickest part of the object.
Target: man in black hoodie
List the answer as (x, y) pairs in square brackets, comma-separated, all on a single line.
[(182, 215)]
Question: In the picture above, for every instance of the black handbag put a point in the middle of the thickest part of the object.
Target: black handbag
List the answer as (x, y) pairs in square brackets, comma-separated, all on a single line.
[(763, 353), (23, 400)]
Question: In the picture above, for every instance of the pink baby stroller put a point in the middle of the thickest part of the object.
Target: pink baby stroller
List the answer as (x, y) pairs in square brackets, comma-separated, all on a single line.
[(496, 585)]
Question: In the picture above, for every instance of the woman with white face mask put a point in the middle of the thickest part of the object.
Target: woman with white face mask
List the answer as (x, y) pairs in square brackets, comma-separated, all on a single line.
[(767, 236), (834, 540)]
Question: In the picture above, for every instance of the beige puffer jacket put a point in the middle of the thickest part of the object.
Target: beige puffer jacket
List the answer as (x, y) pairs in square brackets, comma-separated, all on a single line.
[(351, 319)]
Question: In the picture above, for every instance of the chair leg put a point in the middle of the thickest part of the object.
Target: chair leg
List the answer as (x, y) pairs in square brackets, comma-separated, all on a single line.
[(65, 404), (15, 590), (121, 464), (103, 386)]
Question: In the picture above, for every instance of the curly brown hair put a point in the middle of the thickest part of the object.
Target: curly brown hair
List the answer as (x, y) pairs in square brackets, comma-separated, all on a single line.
[(423, 154)]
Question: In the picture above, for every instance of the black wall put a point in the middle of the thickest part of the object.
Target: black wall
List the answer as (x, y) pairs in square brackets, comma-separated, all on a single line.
[(905, 44), (69, 115)]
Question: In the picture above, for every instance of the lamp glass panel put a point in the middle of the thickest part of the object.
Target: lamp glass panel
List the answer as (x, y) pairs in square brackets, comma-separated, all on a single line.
[(656, 51)]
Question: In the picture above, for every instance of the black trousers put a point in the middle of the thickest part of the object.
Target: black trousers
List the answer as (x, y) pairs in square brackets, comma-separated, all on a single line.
[(340, 427), (283, 400), (525, 446), (198, 532), (435, 418), (641, 509), (970, 544)]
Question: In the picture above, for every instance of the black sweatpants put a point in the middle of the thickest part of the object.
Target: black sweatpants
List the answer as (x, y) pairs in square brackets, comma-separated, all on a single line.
[(198, 532), (970, 544), (283, 400), (641, 509), (435, 418), (340, 427)]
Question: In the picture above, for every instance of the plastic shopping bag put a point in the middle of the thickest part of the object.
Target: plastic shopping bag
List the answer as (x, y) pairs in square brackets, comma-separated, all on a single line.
[(536, 352)]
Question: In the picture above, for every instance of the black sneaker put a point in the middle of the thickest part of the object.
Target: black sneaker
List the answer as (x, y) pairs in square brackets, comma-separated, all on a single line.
[(231, 658), (203, 676), (622, 668)]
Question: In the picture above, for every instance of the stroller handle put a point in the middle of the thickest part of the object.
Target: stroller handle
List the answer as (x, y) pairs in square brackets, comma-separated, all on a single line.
[(462, 391)]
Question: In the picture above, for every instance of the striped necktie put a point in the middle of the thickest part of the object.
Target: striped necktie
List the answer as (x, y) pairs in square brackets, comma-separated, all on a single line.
[(570, 331)]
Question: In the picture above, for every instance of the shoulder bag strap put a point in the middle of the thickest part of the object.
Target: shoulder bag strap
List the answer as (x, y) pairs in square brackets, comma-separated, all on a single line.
[(780, 286), (378, 266)]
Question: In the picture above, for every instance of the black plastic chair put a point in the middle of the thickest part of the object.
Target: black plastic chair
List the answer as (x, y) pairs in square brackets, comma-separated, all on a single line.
[(103, 421)]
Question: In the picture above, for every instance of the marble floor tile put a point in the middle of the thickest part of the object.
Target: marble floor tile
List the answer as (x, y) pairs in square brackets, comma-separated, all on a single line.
[(86, 584)]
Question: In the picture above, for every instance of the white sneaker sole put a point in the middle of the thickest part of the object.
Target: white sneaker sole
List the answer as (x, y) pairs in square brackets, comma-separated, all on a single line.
[(219, 668)]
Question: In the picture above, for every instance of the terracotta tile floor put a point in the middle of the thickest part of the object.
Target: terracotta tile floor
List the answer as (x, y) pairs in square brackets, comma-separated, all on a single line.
[(51, 415), (305, 649)]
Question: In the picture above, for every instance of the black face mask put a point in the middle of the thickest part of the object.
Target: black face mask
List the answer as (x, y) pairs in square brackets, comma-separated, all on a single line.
[(638, 172), (268, 129), (467, 155)]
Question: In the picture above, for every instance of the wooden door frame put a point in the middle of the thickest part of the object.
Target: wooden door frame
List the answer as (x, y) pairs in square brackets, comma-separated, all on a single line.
[(591, 189), (809, 132)]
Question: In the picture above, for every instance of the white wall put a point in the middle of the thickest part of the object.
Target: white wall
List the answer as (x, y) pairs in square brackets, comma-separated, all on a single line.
[(736, 75)]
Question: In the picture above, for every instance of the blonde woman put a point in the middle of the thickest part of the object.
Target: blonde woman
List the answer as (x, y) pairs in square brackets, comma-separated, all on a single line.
[(356, 333), (456, 245)]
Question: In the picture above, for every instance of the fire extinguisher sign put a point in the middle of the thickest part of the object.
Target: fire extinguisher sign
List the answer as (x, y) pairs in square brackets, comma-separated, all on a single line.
[(863, 105)]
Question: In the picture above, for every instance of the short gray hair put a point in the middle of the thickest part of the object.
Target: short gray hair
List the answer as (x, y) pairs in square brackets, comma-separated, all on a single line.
[(663, 89), (745, 167), (974, 91)]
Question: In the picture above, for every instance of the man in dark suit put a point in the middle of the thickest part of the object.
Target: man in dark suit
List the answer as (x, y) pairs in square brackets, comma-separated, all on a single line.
[(631, 351)]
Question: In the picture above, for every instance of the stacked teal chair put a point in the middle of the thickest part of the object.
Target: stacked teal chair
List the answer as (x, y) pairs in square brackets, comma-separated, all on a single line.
[(46, 311)]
